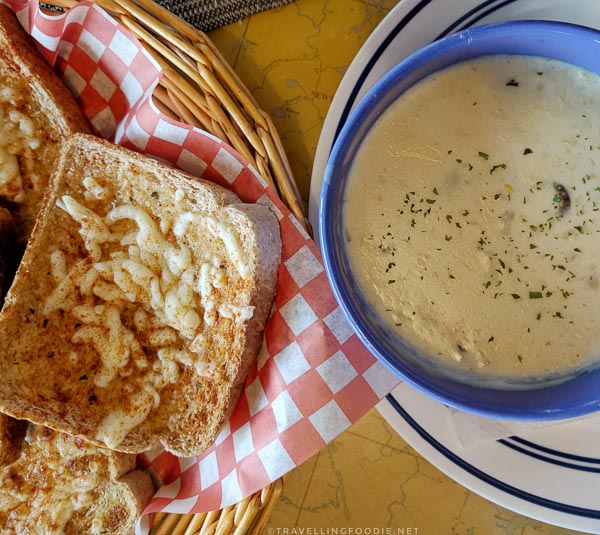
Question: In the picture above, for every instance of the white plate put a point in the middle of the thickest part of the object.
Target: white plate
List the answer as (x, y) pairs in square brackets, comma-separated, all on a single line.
[(553, 474)]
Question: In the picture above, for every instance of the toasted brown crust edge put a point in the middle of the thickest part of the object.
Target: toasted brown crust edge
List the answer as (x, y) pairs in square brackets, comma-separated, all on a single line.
[(20, 47), (139, 484)]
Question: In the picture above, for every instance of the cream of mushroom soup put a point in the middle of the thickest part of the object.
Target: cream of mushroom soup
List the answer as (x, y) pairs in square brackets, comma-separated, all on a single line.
[(472, 216)]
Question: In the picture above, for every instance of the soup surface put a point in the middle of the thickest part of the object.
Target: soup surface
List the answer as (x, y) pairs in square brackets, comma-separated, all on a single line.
[(473, 216)]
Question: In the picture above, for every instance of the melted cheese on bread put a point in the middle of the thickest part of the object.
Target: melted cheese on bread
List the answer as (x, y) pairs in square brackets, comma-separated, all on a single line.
[(55, 476), (133, 258), (18, 141)]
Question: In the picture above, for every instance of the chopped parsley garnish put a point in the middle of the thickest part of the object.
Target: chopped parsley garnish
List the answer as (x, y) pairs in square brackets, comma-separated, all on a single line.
[(495, 167)]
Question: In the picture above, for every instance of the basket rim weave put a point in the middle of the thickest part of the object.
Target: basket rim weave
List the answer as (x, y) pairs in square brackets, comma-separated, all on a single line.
[(200, 88)]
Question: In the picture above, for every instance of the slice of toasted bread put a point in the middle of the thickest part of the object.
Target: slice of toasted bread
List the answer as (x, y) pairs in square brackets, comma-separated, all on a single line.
[(51, 482), (139, 305), (37, 113)]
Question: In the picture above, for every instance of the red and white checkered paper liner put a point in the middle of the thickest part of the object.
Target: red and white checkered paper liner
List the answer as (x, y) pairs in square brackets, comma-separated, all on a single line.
[(313, 377)]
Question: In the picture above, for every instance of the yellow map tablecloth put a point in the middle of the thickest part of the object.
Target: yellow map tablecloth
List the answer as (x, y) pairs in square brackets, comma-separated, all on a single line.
[(292, 59)]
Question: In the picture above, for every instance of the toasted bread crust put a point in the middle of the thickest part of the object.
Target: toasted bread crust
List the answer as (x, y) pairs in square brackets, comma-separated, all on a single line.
[(196, 376), (19, 47), (54, 483), (39, 96)]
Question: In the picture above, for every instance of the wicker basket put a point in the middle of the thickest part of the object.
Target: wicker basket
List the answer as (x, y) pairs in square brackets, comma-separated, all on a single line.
[(199, 88), (247, 517)]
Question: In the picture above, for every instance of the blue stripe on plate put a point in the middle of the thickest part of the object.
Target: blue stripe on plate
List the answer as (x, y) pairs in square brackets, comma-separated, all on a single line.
[(480, 12), (486, 478), (475, 11), (556, 453), (550, 460), (402, 23)]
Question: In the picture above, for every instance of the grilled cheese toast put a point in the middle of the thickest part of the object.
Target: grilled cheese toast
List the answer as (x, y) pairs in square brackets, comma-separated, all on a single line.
[(54, 483), (37, 113), (139, 305)]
